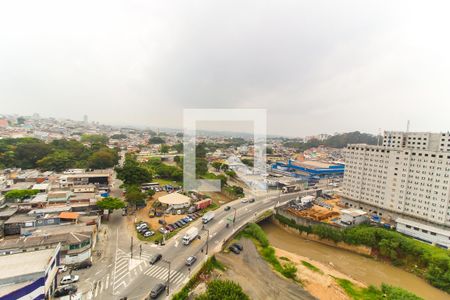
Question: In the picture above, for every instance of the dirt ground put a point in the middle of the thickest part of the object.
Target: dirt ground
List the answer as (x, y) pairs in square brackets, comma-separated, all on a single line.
[(256, 277), (321, 286), (142, 215)]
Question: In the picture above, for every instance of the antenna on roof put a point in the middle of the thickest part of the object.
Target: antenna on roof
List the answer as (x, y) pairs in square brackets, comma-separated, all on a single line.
[(379, 136), (407, 126)]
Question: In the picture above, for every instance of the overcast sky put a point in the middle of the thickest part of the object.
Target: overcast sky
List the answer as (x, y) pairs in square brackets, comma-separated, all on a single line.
[(316, 66)]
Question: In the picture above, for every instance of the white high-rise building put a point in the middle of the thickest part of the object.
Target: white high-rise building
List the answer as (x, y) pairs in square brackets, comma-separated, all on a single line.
[(407, 176)]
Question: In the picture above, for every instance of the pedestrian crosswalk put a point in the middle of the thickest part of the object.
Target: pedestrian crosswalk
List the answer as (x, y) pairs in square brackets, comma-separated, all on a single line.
[(126, 268), (162, 273)]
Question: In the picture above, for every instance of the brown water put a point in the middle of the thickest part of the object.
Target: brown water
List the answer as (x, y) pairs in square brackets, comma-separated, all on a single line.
[(366, 270)]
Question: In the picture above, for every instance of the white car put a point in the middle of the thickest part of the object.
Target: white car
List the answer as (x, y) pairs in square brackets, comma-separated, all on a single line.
[(245, 200), (62, 268), (68, 279), (148, 233)]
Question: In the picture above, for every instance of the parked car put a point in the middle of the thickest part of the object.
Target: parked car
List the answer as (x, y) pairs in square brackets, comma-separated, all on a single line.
[(148, 233), (68, 279), (252, 200), (163, 230), (162, 222), (82, 265), (158, 214), (157, 290), (190, 260), (155, 258), (175, 226), (179, 224), (169, 228), (227, 208), (234, 249), (182, 222), (244, 200), (65, 290), (239, 246), (62, 268)]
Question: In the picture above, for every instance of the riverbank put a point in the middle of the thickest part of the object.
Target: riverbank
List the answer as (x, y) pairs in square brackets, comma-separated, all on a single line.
[(358, 268), (317, 278)]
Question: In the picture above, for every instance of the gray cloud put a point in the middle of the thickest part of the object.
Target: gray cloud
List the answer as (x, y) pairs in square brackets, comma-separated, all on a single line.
[(317, 66)]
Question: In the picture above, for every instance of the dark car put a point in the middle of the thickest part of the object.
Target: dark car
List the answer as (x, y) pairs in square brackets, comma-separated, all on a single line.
[(179, 224), (252, 200), (234, 249), (155, 258), (82, 265), (190, 261), (174, 225), (65, 290), (157, 290), (227, 208), (239, 246), (183, 222), (158, 214), (162, 222)]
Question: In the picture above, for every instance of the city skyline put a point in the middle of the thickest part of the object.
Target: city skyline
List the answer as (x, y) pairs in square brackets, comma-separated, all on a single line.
[(314, 67)]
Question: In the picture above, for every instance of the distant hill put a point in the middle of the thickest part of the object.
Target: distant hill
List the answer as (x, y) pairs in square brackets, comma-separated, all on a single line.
[(336, 141)]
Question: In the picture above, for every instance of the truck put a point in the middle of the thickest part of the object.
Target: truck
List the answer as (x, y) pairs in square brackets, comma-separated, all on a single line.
[(208, 217), (190, 235), (203, 204), (289, 189)]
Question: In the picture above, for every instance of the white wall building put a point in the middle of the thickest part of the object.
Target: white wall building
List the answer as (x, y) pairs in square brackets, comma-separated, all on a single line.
[(429, 234), (407, 176)]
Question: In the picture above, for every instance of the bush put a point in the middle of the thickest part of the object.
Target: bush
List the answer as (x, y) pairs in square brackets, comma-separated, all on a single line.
[(223, 290), (433, 263)]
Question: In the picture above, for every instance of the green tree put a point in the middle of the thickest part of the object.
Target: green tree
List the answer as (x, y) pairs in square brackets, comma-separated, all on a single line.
[(216, 165), (201, 166), (164, 148), (110, 203), (118, 136), (57, 161), (156, 140), (231, 173), (103, 159), (223, 290), (132, 173), (135, 196), (20, 194), (94, 139), (150, 193), (28, 153)]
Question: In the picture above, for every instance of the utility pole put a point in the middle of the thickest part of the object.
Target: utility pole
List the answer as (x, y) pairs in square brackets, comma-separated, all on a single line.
[(207, 238), (140, 251), (168, 277), (131, 248)]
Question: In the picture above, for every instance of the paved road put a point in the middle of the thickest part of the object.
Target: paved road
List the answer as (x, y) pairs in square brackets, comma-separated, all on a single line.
[(120, 273)]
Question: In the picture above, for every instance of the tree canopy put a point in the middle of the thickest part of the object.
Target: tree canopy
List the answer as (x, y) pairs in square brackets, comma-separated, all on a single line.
[(110, 203), (132, 173), (20, 194), (58, 155), (223, 290), (156, 140)]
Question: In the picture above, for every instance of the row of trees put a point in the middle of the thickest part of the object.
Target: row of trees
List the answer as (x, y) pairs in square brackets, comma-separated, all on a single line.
[(336, 141), (428, 261), (58, 155)]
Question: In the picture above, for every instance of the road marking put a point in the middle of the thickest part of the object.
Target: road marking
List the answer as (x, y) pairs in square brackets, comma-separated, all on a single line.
[(107, 282), (96, 292), (221, 221)]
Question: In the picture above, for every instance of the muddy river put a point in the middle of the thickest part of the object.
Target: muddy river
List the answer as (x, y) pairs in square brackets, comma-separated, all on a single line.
[(364, 269)]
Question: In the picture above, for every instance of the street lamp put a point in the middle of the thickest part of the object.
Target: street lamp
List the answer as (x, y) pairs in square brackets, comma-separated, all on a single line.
[(168, 276), (207, 238)]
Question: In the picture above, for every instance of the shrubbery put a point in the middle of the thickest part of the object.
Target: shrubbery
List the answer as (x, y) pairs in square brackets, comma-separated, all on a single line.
[(253, 230), (432, 263)]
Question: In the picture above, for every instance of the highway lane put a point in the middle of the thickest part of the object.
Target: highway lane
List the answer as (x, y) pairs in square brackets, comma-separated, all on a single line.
[(177, 253)]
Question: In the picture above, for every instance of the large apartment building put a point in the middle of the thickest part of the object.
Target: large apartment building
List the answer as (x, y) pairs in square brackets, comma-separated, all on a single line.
[(407, 176)]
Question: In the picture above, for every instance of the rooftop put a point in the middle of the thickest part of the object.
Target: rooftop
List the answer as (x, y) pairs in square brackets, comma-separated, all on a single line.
[(174, 198), (25, 263)]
